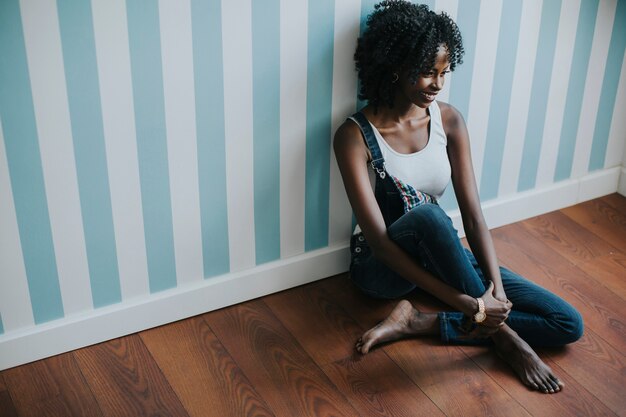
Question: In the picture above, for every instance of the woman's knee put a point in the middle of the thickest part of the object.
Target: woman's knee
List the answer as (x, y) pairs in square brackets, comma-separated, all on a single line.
[(421, 219), (571, 325)]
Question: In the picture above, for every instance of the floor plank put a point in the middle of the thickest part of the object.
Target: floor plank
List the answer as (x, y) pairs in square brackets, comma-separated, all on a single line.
[(610, 271), (602, 219), (573, 400), (281, 371), (7, 409), (616, 200), (292, 353), (202, 373), (571, 240), (437, 369), (375, 386), (452, 380), (51, 387), (125, 379), (602, 310), (592, 360), (601, 368)]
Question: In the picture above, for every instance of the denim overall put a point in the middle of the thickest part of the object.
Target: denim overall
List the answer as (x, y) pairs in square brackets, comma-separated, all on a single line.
[(421, 228)]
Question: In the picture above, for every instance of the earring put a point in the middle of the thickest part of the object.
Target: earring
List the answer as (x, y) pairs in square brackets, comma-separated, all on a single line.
[(395, 78)]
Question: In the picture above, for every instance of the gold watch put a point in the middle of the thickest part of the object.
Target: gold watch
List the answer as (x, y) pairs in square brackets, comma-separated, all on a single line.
[(480, 316)]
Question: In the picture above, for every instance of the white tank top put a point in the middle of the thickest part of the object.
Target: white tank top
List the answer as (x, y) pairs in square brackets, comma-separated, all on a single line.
[(427, 170)]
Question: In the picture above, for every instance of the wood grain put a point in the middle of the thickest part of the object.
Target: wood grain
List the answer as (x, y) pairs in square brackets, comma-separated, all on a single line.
[(436, 369), (202, 373), (452, 380), (602, 219), (599, 367), (617, 201), (573, 400), (281, 371), (610, 270), (53, 387), (566, 237), (291, 354), (602, 310), (7, 409), (374, 385), (126, 381), (318, 322)]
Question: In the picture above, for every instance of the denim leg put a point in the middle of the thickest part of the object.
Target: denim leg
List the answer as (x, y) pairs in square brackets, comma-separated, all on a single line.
[(426, 233), (373, 277), (538, 316)]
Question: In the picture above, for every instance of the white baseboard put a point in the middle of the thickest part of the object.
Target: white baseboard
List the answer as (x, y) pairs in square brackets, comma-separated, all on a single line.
[(27, 345), (621, 187), (521, 206), (23, 346)]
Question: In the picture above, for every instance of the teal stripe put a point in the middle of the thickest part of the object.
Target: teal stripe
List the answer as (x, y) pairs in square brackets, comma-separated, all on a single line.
[(24, 162), (544, 62), (81, 73), (609, 89), (145, 53), (206, 25), (367, 7), (321, 22), (500, 98), (467, 20), (1, 325), (576, 88), (429, 3), (266, 127)]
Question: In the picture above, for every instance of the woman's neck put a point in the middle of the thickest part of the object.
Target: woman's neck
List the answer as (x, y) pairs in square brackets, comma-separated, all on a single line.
[(399, 113)]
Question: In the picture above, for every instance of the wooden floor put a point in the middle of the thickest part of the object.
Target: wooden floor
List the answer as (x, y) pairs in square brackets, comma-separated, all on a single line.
[(291, 353)]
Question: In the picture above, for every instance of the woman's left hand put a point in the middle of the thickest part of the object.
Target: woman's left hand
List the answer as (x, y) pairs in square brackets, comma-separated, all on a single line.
[(499, 294)]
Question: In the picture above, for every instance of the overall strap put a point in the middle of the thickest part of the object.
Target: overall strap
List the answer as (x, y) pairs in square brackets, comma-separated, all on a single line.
[(378, 162)]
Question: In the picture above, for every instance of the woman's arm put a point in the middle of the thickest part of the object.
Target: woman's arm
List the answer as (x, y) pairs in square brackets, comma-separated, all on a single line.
[(352, 157), (466, 193)]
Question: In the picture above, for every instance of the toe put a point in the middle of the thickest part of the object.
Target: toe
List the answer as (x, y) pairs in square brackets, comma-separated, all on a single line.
[(555, 383)]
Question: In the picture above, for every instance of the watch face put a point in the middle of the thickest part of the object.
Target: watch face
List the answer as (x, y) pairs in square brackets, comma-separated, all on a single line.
[(480, 317)]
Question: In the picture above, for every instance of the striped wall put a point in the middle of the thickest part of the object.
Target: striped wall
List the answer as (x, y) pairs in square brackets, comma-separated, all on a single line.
[(149, 147)]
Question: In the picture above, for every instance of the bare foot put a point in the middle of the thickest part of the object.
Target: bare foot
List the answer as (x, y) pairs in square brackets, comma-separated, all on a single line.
[(533, 372), (403, 321)]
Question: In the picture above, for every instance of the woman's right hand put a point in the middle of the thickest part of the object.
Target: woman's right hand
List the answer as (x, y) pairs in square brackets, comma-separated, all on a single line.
[(497, 311)]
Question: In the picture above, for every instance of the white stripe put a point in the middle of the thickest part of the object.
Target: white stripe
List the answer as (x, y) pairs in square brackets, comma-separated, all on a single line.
[(180, 122), (15, 304), (557, 94), (45, 63), (482, 79), (118, 116), (593, 86), (520, 96), (237, 36), (617, 134), (293, 76), (344, 103), (451, 8)]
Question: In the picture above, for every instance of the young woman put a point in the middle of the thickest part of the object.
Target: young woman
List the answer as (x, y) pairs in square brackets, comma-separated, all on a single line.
[(412, 145)]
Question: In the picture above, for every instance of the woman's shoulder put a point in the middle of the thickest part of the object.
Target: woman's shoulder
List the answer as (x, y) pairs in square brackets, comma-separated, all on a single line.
[(349, 140), (451, 118), (348, 132)]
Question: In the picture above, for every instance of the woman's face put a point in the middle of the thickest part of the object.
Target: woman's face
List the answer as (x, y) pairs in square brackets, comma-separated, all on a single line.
[(422, 92)]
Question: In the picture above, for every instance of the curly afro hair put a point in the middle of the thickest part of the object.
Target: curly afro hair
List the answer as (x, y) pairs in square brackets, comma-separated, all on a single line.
[(402, 36)]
